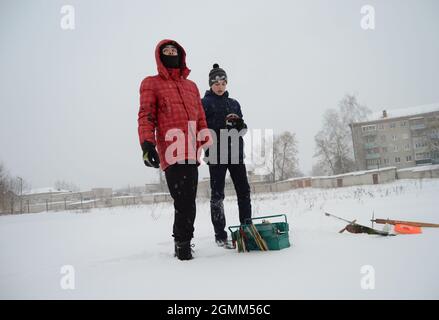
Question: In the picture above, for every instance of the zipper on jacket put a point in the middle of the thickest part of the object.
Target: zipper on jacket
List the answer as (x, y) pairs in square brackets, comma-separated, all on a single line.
[(181, 96)]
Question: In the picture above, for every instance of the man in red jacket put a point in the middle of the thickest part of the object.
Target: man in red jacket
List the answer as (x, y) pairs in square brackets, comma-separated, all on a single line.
[(172, 119)]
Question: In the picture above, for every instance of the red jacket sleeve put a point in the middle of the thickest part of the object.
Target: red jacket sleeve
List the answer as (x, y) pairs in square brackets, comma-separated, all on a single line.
[(147, 117)]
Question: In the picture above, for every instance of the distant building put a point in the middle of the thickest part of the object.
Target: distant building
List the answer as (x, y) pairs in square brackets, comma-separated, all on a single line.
[(258, 176), (45, 199), (400, 138), (155, 187)]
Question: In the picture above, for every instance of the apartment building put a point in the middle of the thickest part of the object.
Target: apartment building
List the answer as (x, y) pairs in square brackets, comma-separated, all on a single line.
[(401, 138)]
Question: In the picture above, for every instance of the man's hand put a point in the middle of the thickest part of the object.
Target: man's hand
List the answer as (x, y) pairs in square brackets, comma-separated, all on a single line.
[(150, 156)]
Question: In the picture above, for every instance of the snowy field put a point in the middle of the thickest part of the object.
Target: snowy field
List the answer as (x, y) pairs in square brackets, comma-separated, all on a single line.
[(127, 252)]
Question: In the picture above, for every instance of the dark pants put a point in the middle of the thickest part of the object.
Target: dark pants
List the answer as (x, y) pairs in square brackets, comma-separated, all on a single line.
[(182, 180), (238, 173)]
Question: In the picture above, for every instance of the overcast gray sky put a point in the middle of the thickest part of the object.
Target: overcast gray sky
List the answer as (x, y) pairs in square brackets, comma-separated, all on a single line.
[(69, 98)]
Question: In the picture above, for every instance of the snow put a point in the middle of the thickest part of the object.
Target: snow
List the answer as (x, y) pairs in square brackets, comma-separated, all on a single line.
[(421, 168), (46, 190), (127, 252), (298, 178), (355, 173), (83, 202), (124, 197), (404, 112)]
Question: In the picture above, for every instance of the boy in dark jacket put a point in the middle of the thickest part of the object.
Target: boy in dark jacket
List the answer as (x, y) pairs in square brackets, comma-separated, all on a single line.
[(224, 119)]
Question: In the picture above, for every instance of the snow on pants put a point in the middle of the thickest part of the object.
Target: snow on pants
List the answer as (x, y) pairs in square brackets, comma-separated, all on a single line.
[(182, 180), (238, 174)]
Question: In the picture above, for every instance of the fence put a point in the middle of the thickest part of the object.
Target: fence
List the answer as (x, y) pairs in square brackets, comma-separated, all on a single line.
[(87, 201)]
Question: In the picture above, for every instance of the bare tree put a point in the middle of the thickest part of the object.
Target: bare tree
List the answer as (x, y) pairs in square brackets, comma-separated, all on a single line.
[(285, 156), (11, 191), (324, 165), (8, 189), (3, 188), (64, 185), (318, 169), (334, 149), (263, 155), (2, 176), (351, 110)]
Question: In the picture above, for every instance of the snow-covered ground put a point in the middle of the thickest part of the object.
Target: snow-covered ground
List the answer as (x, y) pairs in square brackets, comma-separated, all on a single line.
[(128, 252)]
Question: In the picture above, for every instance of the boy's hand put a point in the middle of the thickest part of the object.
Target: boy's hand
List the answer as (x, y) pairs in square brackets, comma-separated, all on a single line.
[(233, 121)]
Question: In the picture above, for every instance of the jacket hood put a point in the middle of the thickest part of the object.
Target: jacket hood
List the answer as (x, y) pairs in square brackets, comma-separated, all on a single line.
[(162, 70)]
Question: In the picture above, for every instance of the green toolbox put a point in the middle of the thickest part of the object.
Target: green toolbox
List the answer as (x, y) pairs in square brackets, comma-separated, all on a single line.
[(261, 236)]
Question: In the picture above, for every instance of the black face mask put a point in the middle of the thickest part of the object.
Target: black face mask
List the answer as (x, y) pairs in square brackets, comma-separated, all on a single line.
[(170, 61)]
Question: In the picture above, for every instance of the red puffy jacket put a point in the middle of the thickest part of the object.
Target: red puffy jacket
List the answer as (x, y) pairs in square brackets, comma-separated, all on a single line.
[(170, 107)]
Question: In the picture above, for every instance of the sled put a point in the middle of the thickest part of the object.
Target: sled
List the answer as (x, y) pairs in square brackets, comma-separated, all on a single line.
[(358, 228), (354, 227), (407, 229), (408, 223), (262, 236)]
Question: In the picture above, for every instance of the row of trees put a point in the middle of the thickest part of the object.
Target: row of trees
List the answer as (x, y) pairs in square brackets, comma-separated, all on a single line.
[(11, 188), (333, 143), (65, 185)]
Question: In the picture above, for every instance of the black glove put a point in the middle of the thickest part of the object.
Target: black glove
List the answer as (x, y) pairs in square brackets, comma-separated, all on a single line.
[(150, 156), (233, 121), (240, 124)]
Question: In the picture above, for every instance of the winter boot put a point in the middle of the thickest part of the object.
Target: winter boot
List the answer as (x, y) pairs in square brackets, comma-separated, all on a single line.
[(183, 250), (225, 243)]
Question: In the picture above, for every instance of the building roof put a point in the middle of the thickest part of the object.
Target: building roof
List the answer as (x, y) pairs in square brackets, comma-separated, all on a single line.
[(403, 112)]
